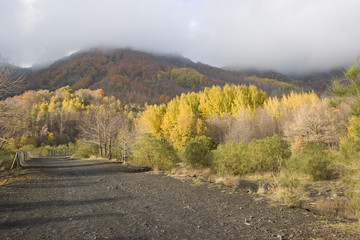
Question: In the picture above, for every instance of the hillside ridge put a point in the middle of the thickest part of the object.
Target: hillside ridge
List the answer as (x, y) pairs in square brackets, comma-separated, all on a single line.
[(141, 77)]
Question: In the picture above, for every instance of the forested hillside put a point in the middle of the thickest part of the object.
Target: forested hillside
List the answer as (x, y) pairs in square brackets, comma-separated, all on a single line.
[(140, 77)]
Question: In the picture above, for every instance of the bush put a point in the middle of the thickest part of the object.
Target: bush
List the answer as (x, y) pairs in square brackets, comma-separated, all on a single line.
[(27, 148), (7, 154), (117, 154), (313, 159), (86, 151), (197, 151), (27, 140), (232, 159), (264, 155), (268, 154), (154, 153), (350, 163), (48, 150), (45, 150)]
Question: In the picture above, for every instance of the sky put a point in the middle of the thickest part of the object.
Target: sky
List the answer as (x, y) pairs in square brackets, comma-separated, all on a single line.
[(289, 36)]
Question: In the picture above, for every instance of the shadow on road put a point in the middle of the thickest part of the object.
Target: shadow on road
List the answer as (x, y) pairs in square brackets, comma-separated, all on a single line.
[(45, 220), (66, 167), (26, 206)]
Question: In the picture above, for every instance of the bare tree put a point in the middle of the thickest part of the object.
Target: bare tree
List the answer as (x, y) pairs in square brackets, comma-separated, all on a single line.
[(318, 123), (11, 81), (3, 128), (100, 126), (127, 134), (218, 127), (252, 125), (12, 115)]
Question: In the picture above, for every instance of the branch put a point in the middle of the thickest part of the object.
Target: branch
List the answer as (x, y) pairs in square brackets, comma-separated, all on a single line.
[(11, 81)]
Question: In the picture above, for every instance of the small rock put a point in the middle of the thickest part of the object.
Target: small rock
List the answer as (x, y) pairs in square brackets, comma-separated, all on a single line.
[(247, 222), (280, 237)]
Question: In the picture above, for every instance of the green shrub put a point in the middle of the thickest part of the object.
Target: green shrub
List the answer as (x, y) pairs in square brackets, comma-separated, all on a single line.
[(154, 153), (70, 148), (27, 148), (85, 151), (268, 154), (48, 150), (27, 140), (264, 155), (350, 165), (354, 196), (117, 154), (232, 159), (197, 151), (7, 154), (313, 159)]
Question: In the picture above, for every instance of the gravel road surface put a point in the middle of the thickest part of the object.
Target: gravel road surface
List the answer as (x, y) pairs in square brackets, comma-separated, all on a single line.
[(64, 198)]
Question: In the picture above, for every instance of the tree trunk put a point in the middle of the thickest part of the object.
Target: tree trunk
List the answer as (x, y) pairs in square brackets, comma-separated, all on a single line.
[(105, 150), (110, 153), (124, 155), (2, 143), (100, 150), (61, 127)]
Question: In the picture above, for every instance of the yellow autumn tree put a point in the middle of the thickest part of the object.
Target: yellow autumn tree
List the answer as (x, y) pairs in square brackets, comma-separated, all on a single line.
[(289, 103), (169, 120), (185, 128), (248, 98), (152, 119), (230, 99), (211, 101)]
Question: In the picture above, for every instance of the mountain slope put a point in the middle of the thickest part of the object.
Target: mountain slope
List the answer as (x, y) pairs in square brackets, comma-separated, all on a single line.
[(141, 77)]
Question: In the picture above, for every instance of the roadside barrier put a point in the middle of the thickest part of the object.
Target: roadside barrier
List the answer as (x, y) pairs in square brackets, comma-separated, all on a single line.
[(51, 152), (19, 159)]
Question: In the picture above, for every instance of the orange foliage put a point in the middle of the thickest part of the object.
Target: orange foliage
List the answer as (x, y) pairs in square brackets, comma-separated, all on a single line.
[(100, 92)]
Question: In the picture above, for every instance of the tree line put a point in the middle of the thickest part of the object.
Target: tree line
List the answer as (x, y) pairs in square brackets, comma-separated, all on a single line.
[(63, 116)]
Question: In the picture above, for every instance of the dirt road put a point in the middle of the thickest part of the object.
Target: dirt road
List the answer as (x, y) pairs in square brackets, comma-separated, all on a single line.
[(63, 198)]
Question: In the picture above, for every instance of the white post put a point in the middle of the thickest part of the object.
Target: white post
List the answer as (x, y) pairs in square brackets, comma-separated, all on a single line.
[(12, 166)]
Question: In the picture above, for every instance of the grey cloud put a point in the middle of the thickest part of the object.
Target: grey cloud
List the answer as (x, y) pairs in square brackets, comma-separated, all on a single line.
[(284, 35)]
